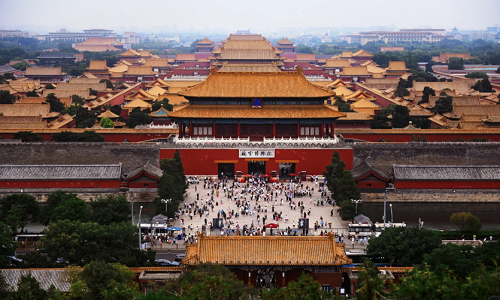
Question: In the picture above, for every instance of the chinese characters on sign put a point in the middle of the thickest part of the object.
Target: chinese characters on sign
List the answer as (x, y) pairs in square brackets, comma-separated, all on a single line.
[(256, 153)]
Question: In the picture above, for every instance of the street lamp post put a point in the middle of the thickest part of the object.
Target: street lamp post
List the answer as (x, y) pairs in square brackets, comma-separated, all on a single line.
[(392, 219), (384, 210), (165, 201), (140, 211), (132, 206), (356, 201)]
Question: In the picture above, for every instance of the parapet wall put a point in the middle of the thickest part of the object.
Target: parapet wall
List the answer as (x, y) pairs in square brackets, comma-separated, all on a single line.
[(130, 155), (384, 155)]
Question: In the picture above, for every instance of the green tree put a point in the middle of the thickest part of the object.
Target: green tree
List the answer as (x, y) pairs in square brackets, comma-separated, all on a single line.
[(458, 259), (69, 136), (342, 105), (173, 184), (343, 187), (109, 84), (82, 243), (73, 209), (27, 136), (424, 284), (29, 288), (55, 103), (32, 93), (211, 281), (54, 199), (100, 280), (107, 123), (466, 222), (21, 66), (110, 209), (139, 117), (402, 90), (426, 93), (301, 48), (304, 288), (8, 247), (84, 118), (78, 99), (163, 103), (444, 104), (19, 209), (400, 117), (477, 75), (369, 283), (405, 246), (334, 171), (483, 86), (6, 97), (455, 63), (116, 109)]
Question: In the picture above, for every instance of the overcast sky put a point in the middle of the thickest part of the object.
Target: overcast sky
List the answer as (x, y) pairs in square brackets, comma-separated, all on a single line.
[(259, 16)]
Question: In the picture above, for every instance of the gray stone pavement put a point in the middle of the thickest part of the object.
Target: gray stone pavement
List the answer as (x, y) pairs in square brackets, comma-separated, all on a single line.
[(337, 225)]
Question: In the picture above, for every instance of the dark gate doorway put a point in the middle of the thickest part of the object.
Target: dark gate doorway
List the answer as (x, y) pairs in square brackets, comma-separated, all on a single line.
[(226, 170), (256, 167), (286, 169)]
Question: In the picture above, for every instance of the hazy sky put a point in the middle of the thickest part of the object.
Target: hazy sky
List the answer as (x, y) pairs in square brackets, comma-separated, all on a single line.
[(259, 16)]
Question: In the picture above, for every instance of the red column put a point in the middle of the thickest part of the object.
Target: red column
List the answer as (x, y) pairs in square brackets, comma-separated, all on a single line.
[(322, 130), (274, 130), (298, 129), (180, 129), (213, 130), (283, 278), (249, 277), (239, 129), (190, 129), (332, 131)]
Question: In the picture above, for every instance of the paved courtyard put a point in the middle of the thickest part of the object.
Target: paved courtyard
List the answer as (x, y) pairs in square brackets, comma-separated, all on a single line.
[(316, 212)]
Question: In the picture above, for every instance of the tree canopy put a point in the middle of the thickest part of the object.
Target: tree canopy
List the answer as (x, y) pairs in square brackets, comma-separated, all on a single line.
[(19, 209), (82, 243), (27, 136), (173, 184), (8, 247), (139, 117), (69, 136), (54, 102), (110, 209), (405, 246), (6, 97), (465, 222)]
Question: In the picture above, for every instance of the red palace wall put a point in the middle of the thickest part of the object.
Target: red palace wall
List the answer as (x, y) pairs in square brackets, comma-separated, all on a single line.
[(205, 161), (452, 184), (61, 184), (108, 137), (371, 184)]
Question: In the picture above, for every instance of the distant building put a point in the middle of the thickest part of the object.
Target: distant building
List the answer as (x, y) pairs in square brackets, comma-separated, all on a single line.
[(404, 35), (47, 58), (100, 45), (67, 36), (46, 74), (388, 49), (13, 33)]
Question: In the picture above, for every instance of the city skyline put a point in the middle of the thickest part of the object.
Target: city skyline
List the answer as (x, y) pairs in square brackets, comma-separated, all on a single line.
[(228, 16)]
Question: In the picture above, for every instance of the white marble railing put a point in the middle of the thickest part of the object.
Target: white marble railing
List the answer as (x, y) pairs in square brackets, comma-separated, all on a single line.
[(212, 140), (302, 140), (276, 141), (158, 126)]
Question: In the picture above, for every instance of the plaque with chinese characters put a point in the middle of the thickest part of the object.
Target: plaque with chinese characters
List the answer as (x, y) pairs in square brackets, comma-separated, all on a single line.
[(256, 153)]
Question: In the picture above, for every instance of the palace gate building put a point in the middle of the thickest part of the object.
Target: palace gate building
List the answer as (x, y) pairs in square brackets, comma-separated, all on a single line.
[(256, 122)]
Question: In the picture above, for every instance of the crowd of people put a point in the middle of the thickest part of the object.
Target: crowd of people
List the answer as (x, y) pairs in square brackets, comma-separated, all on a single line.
[(246, 208)]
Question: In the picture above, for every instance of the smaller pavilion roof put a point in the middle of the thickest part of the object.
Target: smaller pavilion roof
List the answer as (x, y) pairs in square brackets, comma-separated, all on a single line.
[(108, 114), (162, 113), (148, 168), (137, 103)]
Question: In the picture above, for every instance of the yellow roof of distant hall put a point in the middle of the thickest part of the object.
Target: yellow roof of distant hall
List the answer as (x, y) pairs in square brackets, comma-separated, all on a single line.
[(256, 85)]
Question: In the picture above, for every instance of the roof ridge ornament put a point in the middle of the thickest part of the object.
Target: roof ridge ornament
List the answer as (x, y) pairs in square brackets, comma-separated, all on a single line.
[(300, 71)]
